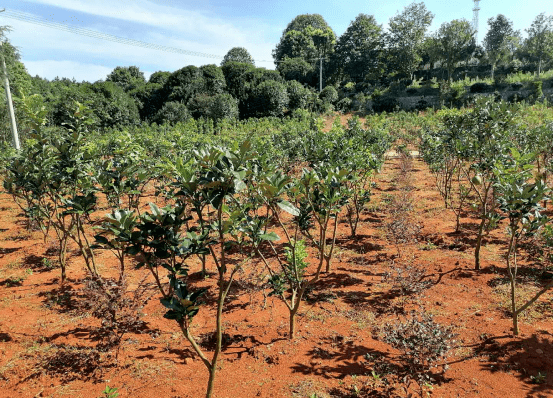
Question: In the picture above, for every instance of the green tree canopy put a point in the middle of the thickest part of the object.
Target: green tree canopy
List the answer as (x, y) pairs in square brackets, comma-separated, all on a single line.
[(297, 69), (430, 51), (454, 40), (358, 51), (500, 41), (127, 77), (159, 77), (111, 106), (539, 44), (20, 80), (238, 54), (213, 79), (236, 78), (308, 36), (406, 35)]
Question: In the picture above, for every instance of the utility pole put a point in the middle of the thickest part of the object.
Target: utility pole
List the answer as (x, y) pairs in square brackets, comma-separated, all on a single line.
[(15, 136)]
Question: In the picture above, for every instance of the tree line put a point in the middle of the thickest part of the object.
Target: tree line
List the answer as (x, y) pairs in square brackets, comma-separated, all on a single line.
[(365, 59)]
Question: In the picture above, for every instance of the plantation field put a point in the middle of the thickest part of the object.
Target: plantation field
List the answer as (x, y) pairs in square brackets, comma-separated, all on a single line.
[(332, 267), (48, 342)]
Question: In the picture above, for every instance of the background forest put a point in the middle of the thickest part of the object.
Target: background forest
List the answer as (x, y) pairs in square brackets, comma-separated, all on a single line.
[(367, 68)]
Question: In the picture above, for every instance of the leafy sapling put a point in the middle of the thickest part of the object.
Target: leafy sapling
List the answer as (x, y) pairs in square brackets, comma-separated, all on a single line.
[(519, 197), (323, 195)]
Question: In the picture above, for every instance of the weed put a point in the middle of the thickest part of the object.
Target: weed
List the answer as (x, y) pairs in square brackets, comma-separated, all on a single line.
[(539, 378), (307, 389), (109, 392), (13, 264), (119, 309), (13, 281), (525, 291), (401, 228), (48, 264), (147, 369), (423, 343), (428, 246), (408, 279)]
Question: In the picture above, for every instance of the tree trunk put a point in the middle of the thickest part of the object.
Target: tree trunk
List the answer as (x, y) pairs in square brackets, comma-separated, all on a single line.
[(211, 381), (479, 244), (514, 305), (292, 333), (62, 259), (513, 279), (218, 335)]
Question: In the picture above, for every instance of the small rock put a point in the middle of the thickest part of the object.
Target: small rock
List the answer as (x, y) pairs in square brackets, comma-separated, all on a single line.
[(538, 351), (188, 361)]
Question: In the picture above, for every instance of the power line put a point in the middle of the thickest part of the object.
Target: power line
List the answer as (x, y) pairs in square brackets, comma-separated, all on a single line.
[(29, 18), (103, 36)]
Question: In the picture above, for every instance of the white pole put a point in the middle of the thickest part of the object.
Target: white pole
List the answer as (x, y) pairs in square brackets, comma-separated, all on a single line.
[(13, 124), (15, 136)]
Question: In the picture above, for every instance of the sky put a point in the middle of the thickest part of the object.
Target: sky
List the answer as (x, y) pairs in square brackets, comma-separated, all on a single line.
[(209, 27)]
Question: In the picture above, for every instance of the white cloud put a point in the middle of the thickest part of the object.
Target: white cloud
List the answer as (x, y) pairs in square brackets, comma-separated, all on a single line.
[(198, 25), (195, 32), (70, 69)]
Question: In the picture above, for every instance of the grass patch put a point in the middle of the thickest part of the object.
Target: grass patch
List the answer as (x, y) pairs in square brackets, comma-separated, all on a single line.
[(543, 308), (308, 389)]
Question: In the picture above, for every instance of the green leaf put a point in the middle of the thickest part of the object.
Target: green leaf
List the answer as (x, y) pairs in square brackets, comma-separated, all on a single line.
[(101, 239), (289, 208), (133, 250), (271, 236)]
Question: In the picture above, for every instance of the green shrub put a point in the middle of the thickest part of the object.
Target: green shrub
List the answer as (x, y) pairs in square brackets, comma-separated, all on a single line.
[(270, 98), (296, 69), (223, 106), (359, 101), (480, 88), (428, 90), (385, 104), (422, 105), (537, 89), (172, 112), (329, 95), (516, 97), (349, 87), (344, 105), (298, 95)]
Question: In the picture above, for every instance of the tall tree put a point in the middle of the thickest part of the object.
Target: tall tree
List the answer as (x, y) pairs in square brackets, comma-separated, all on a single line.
[(430, 52), (238, 54), (308, 37), (127, 77), (358, 50), (539, 44), (406, 35), (500, 41), (454, 39), (20, 80)]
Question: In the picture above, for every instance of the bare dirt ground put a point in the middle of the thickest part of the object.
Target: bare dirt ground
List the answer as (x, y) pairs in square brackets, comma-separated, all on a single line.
[(48, 342)]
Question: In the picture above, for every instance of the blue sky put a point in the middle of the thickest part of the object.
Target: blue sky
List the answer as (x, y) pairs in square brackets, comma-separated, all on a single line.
[(209, 26)]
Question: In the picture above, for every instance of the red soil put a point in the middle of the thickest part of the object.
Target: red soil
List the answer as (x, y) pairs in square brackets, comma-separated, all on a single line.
[(47, 346)]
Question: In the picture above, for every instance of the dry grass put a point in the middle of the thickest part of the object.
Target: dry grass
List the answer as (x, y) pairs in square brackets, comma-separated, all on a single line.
[(308, 389), (525, 291)]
